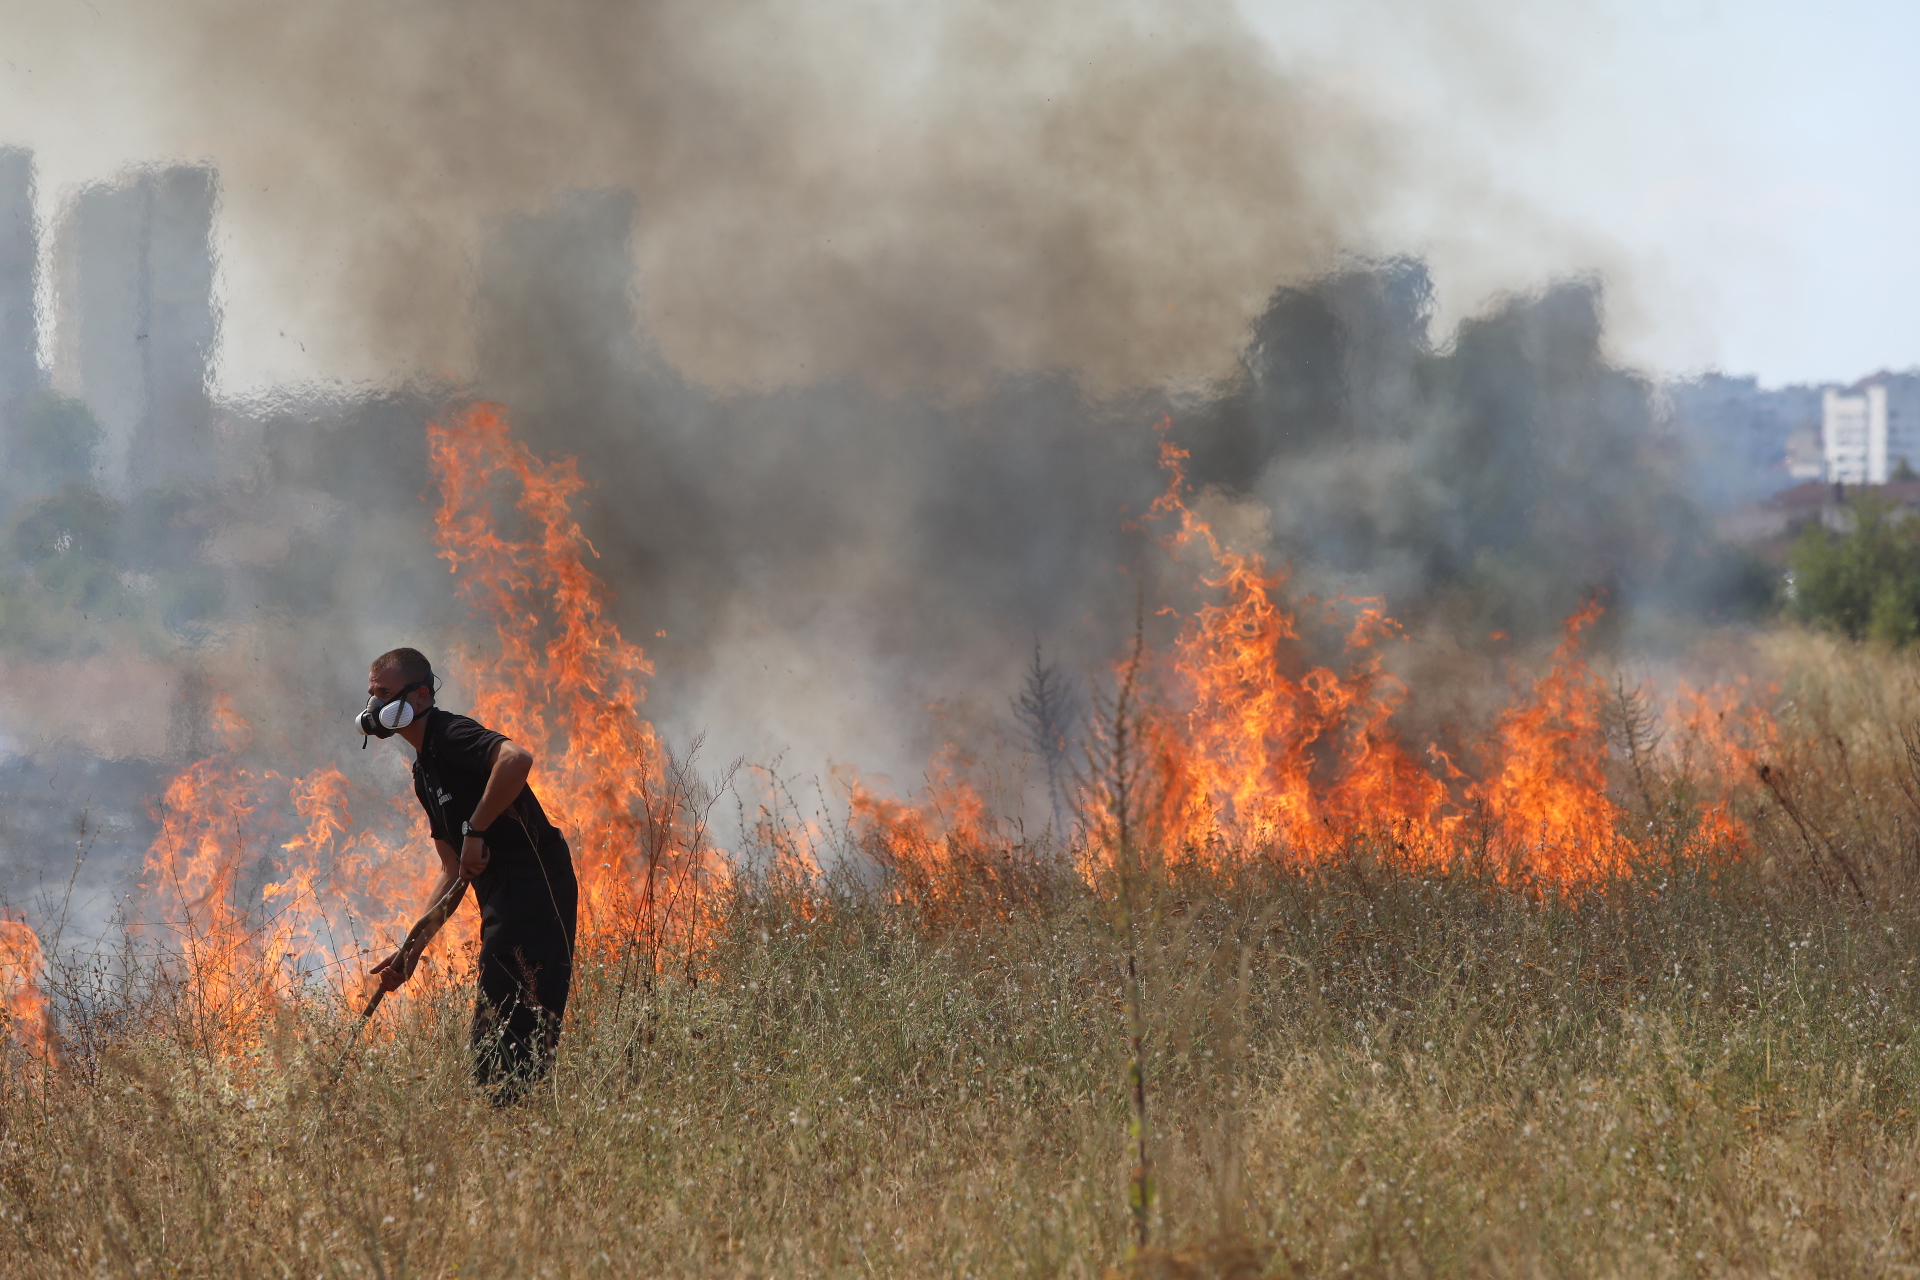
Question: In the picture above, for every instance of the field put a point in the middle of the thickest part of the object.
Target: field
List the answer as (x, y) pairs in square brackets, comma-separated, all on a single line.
[(1355, 1066)]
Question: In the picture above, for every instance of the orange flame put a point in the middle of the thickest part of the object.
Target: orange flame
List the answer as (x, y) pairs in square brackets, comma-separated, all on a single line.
[(938, 851), (565, 683), (1245, 746), (29, 1018), (1269, 749), (1249, 747), (212, 825), (1545, 795), (1259, 748), (558, 677)]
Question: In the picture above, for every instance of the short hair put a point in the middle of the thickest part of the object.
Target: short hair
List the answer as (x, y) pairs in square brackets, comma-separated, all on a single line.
[(410, 664)]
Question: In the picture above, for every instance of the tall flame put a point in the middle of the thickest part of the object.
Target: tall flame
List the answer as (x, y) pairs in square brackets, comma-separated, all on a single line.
[(1248, 745), (29, 1020), (563, 681), (1243, 745), (557, 677), (212, 824), (1545, 793), (1265, 748)]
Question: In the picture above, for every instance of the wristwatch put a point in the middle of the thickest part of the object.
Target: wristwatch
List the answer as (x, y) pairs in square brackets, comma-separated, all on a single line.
[(468, 829)]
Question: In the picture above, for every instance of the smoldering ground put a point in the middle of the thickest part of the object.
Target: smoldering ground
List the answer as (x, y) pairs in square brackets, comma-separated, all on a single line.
[(860, 321)]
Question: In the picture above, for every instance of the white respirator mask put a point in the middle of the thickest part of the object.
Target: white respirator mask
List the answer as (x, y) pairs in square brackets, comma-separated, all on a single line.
[(382, 719)]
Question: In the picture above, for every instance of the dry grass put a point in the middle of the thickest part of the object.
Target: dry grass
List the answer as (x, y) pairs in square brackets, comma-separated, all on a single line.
[(1352, 1071)]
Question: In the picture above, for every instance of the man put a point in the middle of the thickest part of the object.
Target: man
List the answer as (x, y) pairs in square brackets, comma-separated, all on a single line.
[(489, 829)]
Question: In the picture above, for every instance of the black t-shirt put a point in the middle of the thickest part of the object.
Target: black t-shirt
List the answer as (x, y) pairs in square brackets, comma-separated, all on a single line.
[(450, 775)]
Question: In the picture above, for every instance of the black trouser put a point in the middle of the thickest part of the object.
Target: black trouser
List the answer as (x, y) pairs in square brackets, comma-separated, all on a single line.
[(528, 909)]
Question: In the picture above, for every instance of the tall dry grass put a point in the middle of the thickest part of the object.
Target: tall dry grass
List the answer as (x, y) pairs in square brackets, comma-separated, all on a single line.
[(1705, 1070)]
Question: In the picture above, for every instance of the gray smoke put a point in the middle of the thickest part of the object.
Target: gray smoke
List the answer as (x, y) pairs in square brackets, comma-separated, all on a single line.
[(860, 320), (1492, 483), (908, 195)]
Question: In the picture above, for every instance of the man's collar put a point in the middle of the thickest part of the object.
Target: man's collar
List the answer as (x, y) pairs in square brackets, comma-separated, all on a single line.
[(425, 721)]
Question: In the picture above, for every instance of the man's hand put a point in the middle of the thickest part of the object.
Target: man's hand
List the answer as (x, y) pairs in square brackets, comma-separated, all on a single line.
[(474, 856), (394, 970), (398, 967)]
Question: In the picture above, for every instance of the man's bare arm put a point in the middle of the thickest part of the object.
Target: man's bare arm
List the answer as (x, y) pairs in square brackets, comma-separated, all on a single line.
[(399, 966), (506, 779), (510, 766)]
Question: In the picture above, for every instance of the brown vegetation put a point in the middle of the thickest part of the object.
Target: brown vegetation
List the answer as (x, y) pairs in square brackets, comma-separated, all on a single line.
[(1351, 1068)]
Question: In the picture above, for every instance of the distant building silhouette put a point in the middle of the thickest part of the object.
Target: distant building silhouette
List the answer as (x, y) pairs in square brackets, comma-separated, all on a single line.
[(136, 322), (19, 258)]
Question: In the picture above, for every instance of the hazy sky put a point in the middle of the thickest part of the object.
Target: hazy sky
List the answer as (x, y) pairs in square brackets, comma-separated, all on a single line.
[(1740, 174), (1745, 173)]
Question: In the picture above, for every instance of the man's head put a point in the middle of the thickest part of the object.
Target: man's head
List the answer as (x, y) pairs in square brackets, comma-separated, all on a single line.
[(402, 672)]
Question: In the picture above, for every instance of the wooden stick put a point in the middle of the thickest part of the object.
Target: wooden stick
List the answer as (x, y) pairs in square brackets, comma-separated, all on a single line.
[(410, 948)]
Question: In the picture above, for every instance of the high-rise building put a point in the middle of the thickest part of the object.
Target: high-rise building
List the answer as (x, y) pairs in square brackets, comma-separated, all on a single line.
[(1846, 433), (1903, 422), (19, 258), (136, 324), (1870, 429)]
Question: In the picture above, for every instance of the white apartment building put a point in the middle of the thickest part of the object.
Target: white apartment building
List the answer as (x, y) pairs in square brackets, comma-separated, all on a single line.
[(1846, 426), (1868, 430)]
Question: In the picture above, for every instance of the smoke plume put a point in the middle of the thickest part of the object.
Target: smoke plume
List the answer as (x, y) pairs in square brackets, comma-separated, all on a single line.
[(913, 195), (859, 318)]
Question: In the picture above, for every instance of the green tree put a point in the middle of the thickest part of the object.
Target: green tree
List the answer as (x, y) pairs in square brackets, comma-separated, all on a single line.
[(1863, 583), (70, 541), (53, 443)]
